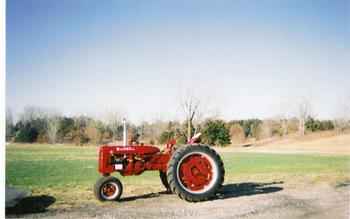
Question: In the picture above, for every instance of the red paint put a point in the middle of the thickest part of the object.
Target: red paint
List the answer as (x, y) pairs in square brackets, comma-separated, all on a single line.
[(136, 158), (195, 172)]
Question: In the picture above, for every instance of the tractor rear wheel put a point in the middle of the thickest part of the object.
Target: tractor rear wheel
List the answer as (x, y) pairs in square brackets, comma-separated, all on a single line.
[(164, 180), (195, 173), (108, 189)]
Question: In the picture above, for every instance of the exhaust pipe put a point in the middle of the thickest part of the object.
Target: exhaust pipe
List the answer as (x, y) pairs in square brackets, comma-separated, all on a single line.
[(125, 133)]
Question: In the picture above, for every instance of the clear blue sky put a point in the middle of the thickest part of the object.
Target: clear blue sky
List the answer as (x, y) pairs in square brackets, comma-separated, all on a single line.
[(245, 58)]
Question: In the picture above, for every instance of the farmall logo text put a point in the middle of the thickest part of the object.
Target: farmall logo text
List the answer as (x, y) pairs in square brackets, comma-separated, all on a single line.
[(125, 149)]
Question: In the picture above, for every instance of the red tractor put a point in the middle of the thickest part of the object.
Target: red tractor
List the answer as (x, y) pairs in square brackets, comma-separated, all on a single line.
[(194, 172)]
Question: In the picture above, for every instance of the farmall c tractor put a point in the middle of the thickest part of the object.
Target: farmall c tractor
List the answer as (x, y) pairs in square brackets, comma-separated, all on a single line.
[(194, 172)]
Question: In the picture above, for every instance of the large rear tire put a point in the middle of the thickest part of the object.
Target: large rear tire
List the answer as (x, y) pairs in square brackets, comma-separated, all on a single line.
[(195, 173)]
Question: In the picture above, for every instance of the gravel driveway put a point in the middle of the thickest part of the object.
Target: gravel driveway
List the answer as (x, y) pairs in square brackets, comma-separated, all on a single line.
[(245, 200)]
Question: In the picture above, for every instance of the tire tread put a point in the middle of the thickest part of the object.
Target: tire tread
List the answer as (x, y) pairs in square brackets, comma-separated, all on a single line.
[(172, 176)]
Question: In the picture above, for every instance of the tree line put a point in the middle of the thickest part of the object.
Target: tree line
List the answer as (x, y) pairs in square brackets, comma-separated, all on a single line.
[(37, 125)]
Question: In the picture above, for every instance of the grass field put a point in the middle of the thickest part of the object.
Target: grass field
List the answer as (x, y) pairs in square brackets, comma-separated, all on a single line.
[(69, 172)]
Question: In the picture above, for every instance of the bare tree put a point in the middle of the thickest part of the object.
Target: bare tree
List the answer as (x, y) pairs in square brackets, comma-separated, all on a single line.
[(52, 117), (265, 130), (342, 121), (31, 113), (304, 109), (53, 123), (93, 133), (285, 114), (9, 124), (113, 120), (190, 107), (284, 126), (45, 120)]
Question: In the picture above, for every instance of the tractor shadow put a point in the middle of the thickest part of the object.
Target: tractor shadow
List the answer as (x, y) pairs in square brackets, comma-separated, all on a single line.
[(145, 196), (31, 205), (248, 188), (227, 191)]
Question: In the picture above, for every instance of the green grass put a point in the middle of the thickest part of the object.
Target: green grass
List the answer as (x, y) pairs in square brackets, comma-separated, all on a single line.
[(58, 168), (247, 163)]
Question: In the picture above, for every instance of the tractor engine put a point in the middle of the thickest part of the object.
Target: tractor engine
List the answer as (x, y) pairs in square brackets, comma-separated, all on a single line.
[(130, 160), (128, 164)]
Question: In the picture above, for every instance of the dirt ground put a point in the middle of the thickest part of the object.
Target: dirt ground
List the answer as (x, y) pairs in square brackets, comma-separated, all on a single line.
[(244, 200)]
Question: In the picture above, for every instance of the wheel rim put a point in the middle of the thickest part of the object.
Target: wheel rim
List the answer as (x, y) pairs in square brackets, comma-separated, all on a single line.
[(109, 190), (197, 172)]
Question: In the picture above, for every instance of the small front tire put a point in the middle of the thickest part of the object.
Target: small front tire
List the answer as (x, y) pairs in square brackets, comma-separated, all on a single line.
[(108, 189)]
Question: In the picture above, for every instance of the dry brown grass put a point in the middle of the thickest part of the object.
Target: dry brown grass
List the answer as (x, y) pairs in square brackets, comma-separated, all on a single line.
[(322, 142)]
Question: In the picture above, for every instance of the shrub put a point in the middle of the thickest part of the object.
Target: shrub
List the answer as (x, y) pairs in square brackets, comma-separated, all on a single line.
[(42, 138), (249, 126), (66, 127), (327, 125), (313, 125), (26, 134), (216, 133)]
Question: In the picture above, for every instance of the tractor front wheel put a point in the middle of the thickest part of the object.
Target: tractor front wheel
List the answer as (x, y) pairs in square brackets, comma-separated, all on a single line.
[(195, 173), (108, 189)]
